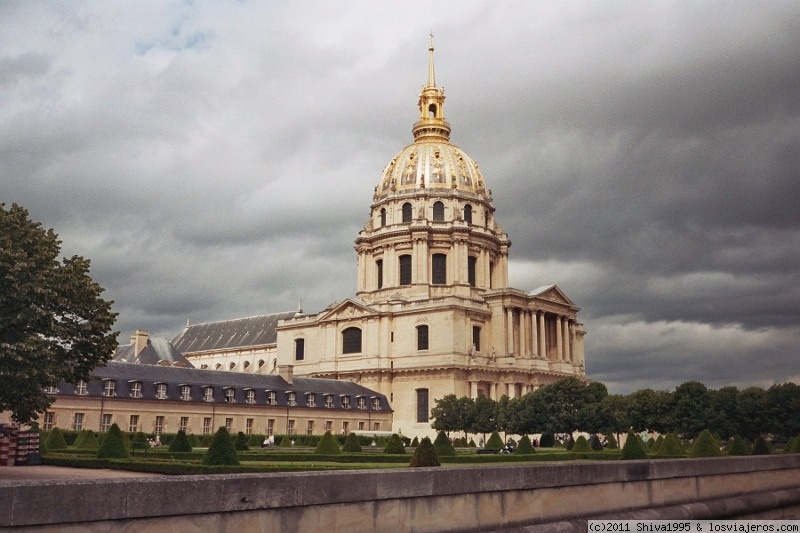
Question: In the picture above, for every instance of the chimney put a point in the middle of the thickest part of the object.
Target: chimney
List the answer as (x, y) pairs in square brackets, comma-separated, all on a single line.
[(139, 340), (286, 372)]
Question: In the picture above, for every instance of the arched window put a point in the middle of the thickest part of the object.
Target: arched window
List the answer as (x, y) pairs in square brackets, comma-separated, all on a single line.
[(405, 269), (379, 266), (422, 337), (383, 217), (231, 366), (439, 269), (476, 338), (438, 212), (422, 405), (351, 340), (472, 261), (468, 214), (432, 111), (299, 349), (406, 212)]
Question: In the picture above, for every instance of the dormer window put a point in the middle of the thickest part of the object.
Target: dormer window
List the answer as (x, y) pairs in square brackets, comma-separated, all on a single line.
[(80, 388), (136, 389), (311, 399), (250, 396), (361, 403), (109, 387), (230, 395), (161, 391), (271, 398), (329, 401), (291, 398), (376, 404), (208, 394), (186, 392), (346, 402)]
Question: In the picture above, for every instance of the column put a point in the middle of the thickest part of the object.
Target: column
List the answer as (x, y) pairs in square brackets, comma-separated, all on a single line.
[(494, 391), (509, 330), (523, 332), (473, 389), (542, 336), (534, 336), (565, 330), (559, 340)]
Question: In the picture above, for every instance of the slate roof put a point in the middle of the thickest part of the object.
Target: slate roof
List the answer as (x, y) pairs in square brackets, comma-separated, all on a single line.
[(124, 374), (157, 351), (240, 332)]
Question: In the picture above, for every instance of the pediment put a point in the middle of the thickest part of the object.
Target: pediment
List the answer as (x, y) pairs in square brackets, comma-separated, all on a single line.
[(346, 310), (552, 293)]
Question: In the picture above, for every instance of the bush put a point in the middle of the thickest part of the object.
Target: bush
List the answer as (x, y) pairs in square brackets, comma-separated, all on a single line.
[(115, 445), (351, 444), (570, 443), (472, 444), (86, 440), (793, 446), (738, 446), (55, 440), (241, 442), (761, 447), (524, 446), (659, 442), (633, 448), (425, 454), (548, 440), (327, 445), (443, 446), (494, 442), (650, 444), (581, 445), (180, 443), (705, 445), (139, 436), (222, 450), (671, 446), (611, 442), (194, 440), (395, 445), (286, 442), (595, 443), (415, 442)]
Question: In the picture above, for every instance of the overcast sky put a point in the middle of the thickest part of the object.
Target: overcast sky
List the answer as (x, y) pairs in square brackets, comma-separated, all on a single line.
[(216, 160)]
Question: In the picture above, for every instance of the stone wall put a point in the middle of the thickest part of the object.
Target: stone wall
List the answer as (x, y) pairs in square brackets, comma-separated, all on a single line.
[(526, 498)]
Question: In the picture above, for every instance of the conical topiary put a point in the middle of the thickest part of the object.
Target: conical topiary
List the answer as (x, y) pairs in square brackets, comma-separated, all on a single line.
[(86, 440), (241, 442), (115, 445), (548, 440), (738, 446), (351, 444), (611, 442), (657, 444), (194, 440), (55, 440), (327, 445), (524, 446), (395, 445), (569, 444), (761, 447), (494, 442), (286, 442), (651, 442), (793, 446), (633, 448), (139, 436), (581, 445), (180, 443), (425, 454), (671, 446), (472, 443), (705, 445), (444, 448), (222, 450), (415, 442)]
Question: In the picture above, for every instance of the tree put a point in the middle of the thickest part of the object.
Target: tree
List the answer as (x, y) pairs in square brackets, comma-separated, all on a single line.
[(425, 454), (395, 445), (691, 408), (484, 416), (443, 445), (222, 450), (53, 324), (180, 443), (446, 415), (351, 444), (633, 447), (327, 445), (115, 445)]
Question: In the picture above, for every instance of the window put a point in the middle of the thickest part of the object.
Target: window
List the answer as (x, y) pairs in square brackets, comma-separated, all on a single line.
[(329, 425), (468, 214), (438, 212), (136, 389), (203, 366), (77, 421), (48, 420), (218, 366), (299, 349), (159, 426), (471, 263), (108, 387), (422, 337), (250, 396), (208, 394), (310, 428), (376, 426), (290, 427), (231, 366), (206, 425), (439, 269), (361, 426), (230, 395), (476, 338), (376, 404), (405, 269), (105, 422), (406, 212), (422, 405), (161, 391), (345, 428), (379, 266), (261, 363), (248, 426), (183, 424), (329, 400), (270, 426), (351, 340), (291, 398), (80, 388), (133, 424), (271, 398), (311, 400), (383, 217), (186, 392), (229, 424), (51, 390), (346, 402), (361, 402)]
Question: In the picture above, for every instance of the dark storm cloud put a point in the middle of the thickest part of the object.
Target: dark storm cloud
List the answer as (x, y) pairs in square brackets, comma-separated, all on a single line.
[(218, 160)]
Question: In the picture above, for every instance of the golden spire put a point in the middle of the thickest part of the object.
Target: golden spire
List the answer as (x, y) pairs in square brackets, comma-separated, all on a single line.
[(431, 125), (431, 76)]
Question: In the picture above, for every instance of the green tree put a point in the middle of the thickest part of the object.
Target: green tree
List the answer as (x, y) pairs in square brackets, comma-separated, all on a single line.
[(115, 445), (752, 420), (241, 442), (447, 415), (395, 445), (222, 450), (484, 416), (524, 446), (443, 445), (327, 445), (55, 440), (53, 324), (495, 442), (581, 445), (761, 447), (691, 408), (783, 406), (705, 445), (351, 443), (425, 455), (180, 443), (738, 446), (671, 446), (86, 440), (633, 447)]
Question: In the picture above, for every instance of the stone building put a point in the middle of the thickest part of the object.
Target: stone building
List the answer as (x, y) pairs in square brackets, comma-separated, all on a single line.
[(433, 313)]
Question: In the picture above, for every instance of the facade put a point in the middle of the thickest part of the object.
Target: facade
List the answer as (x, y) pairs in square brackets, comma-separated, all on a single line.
[(433, 313)]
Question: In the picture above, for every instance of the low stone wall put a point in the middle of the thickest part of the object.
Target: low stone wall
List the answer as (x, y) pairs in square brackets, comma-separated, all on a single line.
[(503, 498)]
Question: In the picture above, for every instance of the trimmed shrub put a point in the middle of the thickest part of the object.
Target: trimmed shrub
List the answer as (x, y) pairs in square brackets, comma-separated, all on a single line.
[(241, 442), (425, 454), (351, 444), (581, 445), (548, 440), (738, 446), (671, 445), (611, 442), (472, 444), (255, 440), (651, 442), (55, 440), (659, 442), (524, 446), (327, 445), (705, 445), (222, 450), (444, 448), (86, 440), (570, 443), (793, 446), (633, 448), (494, 442), (595, 443), (180, 443), (115, 445), (761, 447), (286, 442), (194, 440), (395, 445), (415, 442), (139, 436)]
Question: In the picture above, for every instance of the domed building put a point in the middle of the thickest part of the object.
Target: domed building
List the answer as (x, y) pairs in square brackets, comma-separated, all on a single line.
[(433, 313)]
